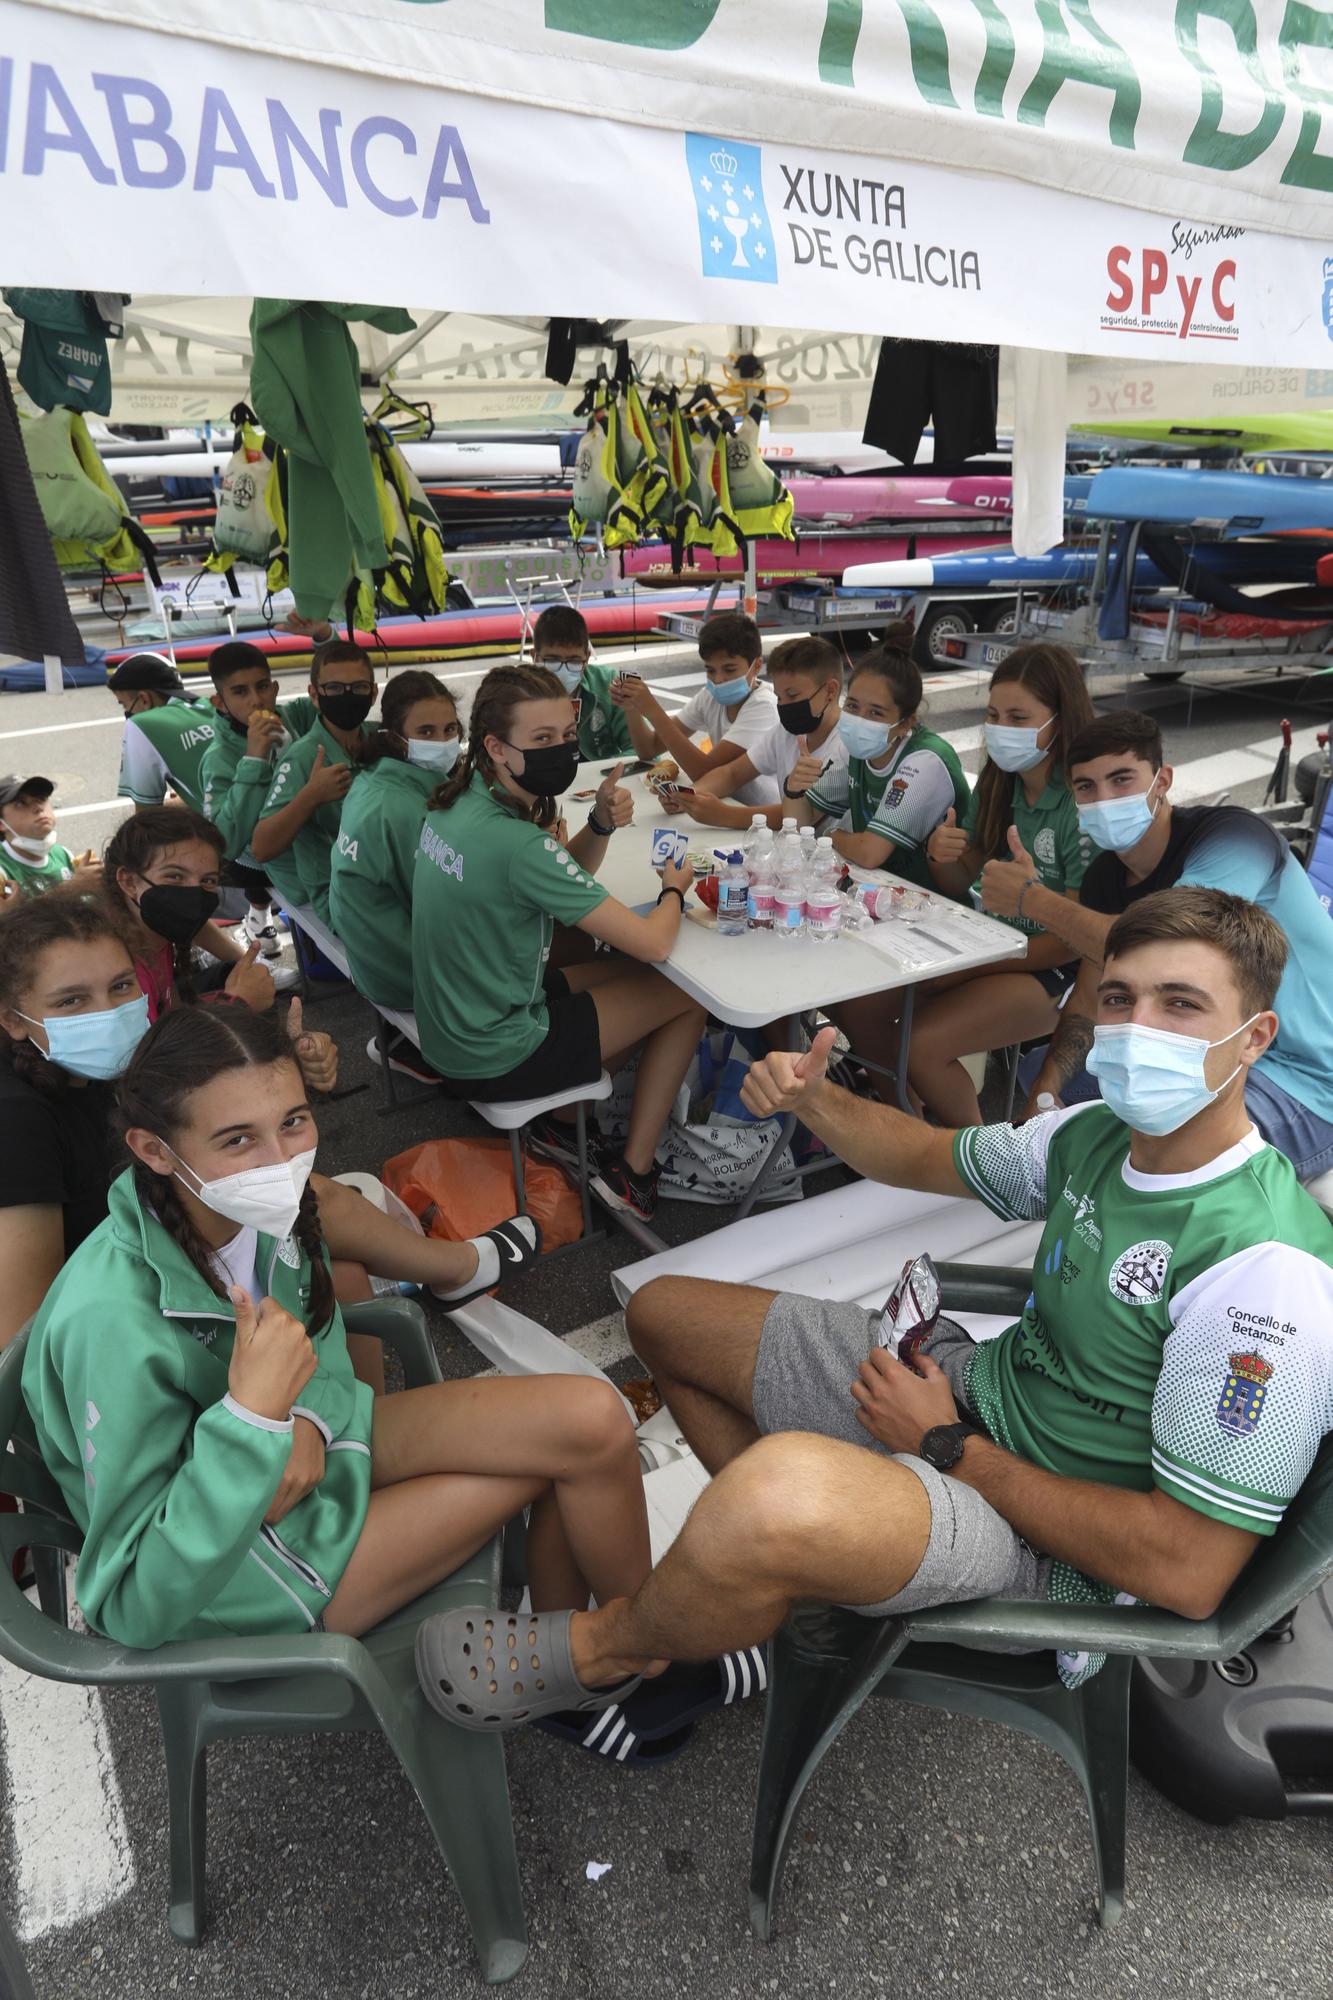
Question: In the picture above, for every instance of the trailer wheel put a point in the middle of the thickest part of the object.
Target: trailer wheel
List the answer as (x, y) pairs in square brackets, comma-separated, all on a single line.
[(1004, 621), (1306, 776), (941, 622)]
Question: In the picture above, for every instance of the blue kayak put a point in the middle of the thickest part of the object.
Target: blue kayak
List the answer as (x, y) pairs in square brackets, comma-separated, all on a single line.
[(1236, 503)]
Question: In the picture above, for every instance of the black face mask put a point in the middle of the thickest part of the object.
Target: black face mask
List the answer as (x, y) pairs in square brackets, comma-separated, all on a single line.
[(548, 770), (175, 912), (241, 728), (346, 711), (798, 718)]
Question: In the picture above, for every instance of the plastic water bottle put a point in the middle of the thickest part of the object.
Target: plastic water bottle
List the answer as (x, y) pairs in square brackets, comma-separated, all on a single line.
[(823, 904), (733, 895), (759, 830), (759, 850), (807, 839), (789, 901)]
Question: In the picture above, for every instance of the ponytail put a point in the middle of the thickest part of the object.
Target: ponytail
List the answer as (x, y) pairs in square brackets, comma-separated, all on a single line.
[(494, 706)]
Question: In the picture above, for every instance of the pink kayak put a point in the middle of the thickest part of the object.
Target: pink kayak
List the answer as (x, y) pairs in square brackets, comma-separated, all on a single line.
[(860, 498)]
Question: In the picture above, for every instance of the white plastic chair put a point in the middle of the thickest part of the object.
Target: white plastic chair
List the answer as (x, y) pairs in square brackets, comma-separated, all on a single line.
[(518, 1112)]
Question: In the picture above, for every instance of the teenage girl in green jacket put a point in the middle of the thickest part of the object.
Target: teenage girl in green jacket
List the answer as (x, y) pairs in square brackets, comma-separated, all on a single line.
[(189, 1383)]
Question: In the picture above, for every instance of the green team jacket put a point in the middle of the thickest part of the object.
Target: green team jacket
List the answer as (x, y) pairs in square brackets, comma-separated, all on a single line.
[(125, 1377), (370, 888), (236, 785), (301, 874)]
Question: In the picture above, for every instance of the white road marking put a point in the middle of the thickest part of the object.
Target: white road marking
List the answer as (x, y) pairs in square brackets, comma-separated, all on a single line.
[(102, 805), (71, 1841)]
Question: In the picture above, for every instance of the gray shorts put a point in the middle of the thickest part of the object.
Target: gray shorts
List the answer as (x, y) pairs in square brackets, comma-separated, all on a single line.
[(809, 1353)]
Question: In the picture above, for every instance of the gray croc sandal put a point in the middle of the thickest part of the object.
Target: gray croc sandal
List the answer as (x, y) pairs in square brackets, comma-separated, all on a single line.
[(492, 1670)]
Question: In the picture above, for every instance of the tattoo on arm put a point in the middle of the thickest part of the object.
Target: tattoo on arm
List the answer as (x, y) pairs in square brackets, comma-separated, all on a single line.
[(1070, 1044)]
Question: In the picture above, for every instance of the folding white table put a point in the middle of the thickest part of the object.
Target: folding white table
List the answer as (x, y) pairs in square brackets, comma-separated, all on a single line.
[(751, 980)]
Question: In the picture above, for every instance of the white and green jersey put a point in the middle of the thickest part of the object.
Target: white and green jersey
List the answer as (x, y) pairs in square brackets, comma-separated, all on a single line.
[(904, 802), (33, 878), (164, 749), (1179, 1332)]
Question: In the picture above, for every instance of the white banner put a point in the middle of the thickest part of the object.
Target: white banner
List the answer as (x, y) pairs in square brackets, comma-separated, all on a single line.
[(137, 161)]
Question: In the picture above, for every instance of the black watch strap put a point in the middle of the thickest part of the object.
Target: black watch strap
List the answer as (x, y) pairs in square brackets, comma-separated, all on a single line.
[(670, 889)]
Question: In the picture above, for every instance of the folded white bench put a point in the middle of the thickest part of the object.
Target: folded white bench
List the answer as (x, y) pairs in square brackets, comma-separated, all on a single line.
[(852, 1243)]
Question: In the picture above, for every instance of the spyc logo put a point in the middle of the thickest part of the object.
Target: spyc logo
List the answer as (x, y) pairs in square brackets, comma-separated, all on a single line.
[(735, 234)]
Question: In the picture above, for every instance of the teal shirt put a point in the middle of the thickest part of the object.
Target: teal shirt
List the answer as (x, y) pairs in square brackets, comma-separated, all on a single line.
[(370, 886), (603, 728), (301, 874), (236, 785)]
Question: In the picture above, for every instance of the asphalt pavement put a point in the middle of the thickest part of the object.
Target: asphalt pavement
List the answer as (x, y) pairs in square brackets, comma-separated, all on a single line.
[(933, 1854)]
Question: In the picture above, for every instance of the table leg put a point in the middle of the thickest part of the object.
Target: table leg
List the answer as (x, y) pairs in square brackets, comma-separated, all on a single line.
[(786, 1126), (904, 1045)]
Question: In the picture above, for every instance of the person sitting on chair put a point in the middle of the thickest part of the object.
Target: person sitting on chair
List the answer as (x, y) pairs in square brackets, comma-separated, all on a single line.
[(1139, 1430)]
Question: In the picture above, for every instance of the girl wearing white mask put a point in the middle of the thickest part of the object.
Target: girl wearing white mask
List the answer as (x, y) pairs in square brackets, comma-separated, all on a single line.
[(1021, 810), (32, 860), (370, 886), (189, 1382)]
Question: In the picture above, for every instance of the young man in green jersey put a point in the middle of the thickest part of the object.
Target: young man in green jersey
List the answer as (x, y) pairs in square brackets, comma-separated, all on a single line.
[(1141, 1427), (560, 642), (167, 732), (292, 840)]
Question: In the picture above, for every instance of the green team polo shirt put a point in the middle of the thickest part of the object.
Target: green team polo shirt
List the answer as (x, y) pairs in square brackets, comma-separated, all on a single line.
[(1179, 1333), (33, 878), (236, 785), (166, 747), (370, 888), (487, 890), (301, 874), (603, 729), (903, 803), (1050, 832)]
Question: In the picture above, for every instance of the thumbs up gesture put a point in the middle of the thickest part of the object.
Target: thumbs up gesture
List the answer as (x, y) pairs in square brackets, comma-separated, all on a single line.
[(614, 806), (785, 1082), (806, 771), (948, 842), (316, 1053), (1003, 882)]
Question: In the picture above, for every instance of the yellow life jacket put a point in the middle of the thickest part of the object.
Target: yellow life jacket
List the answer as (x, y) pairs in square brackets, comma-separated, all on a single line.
[(759, 503), (417, 576), (86, 514), (251, 521)]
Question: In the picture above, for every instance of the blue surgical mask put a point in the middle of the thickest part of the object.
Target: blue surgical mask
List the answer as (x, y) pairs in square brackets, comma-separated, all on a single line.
[(1016, 749), (94, 1045), (863, 738), (1118, 824), (731, 693), (1154, 1080), (569, 673), (433, 756)]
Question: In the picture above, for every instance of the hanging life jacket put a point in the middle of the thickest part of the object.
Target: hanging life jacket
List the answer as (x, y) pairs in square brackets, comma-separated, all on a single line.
[(86, 514), (759, 502), (608, 492), (417, 576)]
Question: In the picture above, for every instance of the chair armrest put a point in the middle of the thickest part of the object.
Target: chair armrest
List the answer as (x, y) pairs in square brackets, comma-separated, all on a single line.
[(400, 1324), (1095, 1628), (985, 1288)]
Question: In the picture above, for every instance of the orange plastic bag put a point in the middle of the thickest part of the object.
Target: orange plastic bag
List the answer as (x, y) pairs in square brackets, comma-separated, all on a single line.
[(458, 1188)]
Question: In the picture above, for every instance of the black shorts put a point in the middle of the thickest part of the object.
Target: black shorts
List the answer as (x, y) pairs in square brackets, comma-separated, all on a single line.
[(571, 1052), (1057, 979), (253, 880)]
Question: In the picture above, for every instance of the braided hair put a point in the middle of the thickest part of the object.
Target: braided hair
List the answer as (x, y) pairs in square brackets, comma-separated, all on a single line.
[(135, 846), (184, 1050), (501, 694), (64, 915), (400, 695)]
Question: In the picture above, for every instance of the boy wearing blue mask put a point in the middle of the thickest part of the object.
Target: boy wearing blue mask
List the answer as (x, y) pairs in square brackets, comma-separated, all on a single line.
[(1135, 1434), (1121, 788), (560, 642), (735, 711)]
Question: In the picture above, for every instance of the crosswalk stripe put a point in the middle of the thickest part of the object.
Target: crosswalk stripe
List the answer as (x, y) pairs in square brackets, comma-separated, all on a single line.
[(70, 1837)]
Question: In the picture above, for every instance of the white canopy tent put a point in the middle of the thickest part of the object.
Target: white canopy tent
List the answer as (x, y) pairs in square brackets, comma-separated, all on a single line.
[(1088, 176)]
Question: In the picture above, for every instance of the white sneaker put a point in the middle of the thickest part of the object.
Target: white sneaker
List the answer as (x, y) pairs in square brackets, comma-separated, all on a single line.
[(258, 928), (283, 976)]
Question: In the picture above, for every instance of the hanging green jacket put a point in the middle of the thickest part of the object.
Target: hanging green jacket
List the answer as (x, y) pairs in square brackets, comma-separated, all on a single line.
[(370, 888), (169, 1479), (236, 784), (301, 873), (305, 388)]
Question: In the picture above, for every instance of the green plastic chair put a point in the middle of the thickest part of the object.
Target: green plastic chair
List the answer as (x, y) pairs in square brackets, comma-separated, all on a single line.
[(208, 1690), (827, 1661)]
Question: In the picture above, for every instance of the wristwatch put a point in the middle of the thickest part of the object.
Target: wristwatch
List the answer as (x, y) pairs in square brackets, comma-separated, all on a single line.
[(942, 1447)]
